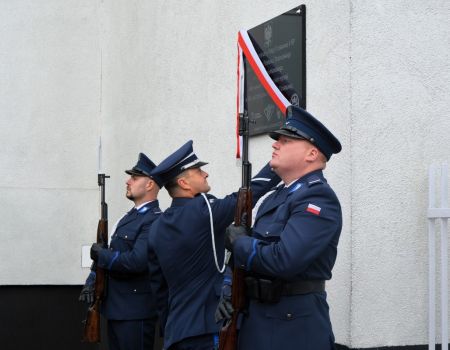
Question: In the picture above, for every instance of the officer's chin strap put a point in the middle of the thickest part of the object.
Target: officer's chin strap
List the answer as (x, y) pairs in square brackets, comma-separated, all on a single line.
[(211, 222)]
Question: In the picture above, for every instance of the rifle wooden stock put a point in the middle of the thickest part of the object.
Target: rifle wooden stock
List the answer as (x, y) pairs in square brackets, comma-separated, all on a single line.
[(100, 274), (91, 332), (229, 333), (92, 324)]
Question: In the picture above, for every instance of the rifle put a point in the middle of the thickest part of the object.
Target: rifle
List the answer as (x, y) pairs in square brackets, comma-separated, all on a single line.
[(229, 333), (91, 332)]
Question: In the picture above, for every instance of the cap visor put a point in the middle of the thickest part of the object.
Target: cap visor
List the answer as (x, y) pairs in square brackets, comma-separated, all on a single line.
[(135, 172), (197, 165), (277, 133)]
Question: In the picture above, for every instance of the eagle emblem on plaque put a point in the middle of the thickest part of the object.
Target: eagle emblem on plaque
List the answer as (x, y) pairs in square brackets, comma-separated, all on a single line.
[(295, 100)]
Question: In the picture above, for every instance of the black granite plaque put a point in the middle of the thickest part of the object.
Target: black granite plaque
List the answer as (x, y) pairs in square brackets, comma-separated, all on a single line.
[(280, 44)]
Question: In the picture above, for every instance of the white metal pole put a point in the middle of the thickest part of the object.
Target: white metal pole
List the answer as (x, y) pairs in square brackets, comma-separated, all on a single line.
[(444, 259), (431, 262)]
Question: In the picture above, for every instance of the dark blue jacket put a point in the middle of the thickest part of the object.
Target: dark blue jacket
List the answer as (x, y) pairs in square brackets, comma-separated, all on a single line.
[(180, 242), (295, 237), (128, 295)]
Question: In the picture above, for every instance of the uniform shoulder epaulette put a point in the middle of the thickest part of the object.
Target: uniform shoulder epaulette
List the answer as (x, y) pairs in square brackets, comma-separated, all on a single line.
[(314, 180)]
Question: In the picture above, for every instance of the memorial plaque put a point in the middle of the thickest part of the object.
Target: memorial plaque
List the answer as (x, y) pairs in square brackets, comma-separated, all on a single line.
[(280, 44)]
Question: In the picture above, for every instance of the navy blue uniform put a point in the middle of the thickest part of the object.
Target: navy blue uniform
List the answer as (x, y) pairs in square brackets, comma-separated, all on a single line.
[(180, 242), (130, 306), (295, 238)]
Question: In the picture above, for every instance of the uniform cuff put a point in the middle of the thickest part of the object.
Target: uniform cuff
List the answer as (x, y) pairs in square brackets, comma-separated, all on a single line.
[(106, 258), (244, 251)]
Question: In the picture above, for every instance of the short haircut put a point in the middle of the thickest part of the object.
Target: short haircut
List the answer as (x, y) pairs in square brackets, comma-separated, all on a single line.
[(172, 185)]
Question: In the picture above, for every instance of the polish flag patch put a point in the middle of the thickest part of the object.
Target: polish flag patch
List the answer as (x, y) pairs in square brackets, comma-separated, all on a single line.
[(314, 209)]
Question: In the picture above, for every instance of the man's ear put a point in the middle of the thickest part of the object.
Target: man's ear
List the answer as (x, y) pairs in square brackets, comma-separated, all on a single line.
[(183, 182), (150, 184), (313, 154)]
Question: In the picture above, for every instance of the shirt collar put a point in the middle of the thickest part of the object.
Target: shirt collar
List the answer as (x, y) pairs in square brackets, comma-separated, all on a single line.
[(143, 204), (317, 172)]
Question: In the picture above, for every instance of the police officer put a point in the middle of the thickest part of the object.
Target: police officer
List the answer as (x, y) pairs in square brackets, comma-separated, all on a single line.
[(293, 245), (129, 305), (187, 242)]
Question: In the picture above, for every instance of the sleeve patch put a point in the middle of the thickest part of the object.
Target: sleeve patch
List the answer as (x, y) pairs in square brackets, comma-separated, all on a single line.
[(313, 209)]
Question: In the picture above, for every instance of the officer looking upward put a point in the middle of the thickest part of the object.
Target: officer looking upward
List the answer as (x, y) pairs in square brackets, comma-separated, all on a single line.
[(129, 305), (293, 244), (187, 243)]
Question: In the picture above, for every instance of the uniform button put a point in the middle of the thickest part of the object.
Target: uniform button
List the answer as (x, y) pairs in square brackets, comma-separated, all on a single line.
[(289, 316), (134, 290), (267, 232), (126, 236), (243, 266)]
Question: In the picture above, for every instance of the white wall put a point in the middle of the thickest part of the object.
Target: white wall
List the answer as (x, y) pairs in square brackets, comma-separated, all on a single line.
[(400, 125), (49, 109), (149, 75)]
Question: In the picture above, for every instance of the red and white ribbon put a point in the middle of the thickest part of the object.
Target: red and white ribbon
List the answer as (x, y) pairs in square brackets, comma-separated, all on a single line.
[(240, 99), (246, 48)]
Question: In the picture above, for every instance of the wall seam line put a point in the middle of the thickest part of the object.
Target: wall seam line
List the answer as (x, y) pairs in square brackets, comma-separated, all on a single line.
[(351, 172)]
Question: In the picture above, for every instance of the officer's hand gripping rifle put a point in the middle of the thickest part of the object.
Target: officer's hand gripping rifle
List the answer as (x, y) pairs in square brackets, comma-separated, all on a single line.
[(229, 333), (91, 332)]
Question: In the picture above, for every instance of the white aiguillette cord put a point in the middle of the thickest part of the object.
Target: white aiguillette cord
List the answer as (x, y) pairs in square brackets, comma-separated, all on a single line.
[(221, 270)]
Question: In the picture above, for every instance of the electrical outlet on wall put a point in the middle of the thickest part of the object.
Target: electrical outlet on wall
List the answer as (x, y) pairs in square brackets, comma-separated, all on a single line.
[(86, 260)]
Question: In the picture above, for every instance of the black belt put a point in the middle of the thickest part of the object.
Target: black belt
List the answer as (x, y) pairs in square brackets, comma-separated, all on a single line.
[(270, 291), (303, 287)]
